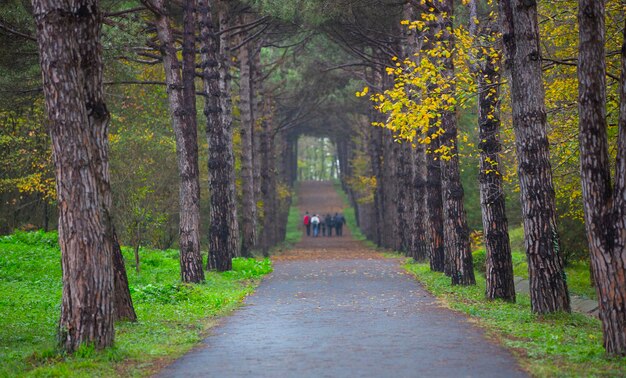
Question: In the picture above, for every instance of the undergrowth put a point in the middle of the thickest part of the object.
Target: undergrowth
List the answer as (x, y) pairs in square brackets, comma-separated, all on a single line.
[(173, 317), (577, 271), (551, 345)]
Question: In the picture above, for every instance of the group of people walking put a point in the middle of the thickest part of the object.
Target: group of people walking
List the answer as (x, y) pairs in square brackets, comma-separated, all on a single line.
[(324, 224)]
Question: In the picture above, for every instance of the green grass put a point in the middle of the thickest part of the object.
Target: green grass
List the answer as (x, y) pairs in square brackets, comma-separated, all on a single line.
[(173, 317), (577, 272), (294, 233), (555, 345)]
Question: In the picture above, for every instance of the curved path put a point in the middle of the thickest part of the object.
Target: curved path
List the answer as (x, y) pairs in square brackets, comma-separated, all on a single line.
[(333, 308)]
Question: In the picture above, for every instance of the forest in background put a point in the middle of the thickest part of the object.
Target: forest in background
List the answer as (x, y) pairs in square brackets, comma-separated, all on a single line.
[(295, 68), (142, 142)]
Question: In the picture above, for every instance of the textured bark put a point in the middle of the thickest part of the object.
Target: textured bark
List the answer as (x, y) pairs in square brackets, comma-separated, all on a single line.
[(268, 181), (230, 197), (376, 153), (123, 303), (87, 308), (420, 248), (434, 200), (603, 205), (248, 206), (434, 203), (455, 229), (419, 238), (223, 228), (520, 33), (257, 106), (404, 206), (91, 58), (389, 185), (186, 134), (499, 266)]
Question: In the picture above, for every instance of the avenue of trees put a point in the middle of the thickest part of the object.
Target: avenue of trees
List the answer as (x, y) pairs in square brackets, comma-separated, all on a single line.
[(506, 98)]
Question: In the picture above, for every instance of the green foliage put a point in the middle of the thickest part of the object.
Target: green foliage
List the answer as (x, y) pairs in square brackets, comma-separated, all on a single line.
[(173, 316), (249, 268), (554, 345), (317, 159), (579, 279), (49, 239), (516, 237), (480, 258)]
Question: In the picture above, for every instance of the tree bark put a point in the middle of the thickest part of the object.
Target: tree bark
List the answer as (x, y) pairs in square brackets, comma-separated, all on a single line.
[(87, 308), (404, 198), (267, 181), (376, 156), (434, 199), (222, 204), (603, 205), (257, 106), (230, 196), (520, 33), (455, 229), (434, 203), (186, 134), (248, 206), (420, 240), (499, 266), (91, 55), (389, 183)]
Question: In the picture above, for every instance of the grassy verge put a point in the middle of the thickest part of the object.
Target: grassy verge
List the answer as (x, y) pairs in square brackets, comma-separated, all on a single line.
[(578, 276), (173, 317), (555, 345), (294, 233)]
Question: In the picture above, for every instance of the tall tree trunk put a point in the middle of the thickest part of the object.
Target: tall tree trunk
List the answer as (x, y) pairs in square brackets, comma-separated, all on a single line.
[(230, 197), (455, 230), (99, 121), (191, 254), (376, 155), (257, 106), (248, 206), (185, 131), (389, 177), (265, 152), (434, 200), (420, 240), (87, 308), (219, 139), (604, 206), (404, 206), (520, 33), (434, 203), (499, 267)]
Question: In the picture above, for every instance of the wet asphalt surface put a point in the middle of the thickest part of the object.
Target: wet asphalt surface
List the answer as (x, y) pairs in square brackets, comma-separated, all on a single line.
[(333, 308)]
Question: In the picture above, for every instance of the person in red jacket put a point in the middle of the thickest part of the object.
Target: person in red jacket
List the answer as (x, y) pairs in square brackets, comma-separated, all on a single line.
[(307, 223)]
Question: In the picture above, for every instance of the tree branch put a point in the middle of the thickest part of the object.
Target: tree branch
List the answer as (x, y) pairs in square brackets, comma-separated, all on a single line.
[(10, 30)]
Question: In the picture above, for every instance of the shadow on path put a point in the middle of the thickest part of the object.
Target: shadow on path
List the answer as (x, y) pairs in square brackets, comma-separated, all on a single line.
[(333, 308)]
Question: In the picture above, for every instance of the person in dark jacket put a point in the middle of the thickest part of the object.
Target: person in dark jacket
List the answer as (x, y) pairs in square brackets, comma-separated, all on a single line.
[(328, 219), (338, 222)]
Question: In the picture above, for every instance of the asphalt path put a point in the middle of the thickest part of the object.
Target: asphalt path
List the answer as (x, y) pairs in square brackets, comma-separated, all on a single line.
[(334, 308)]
